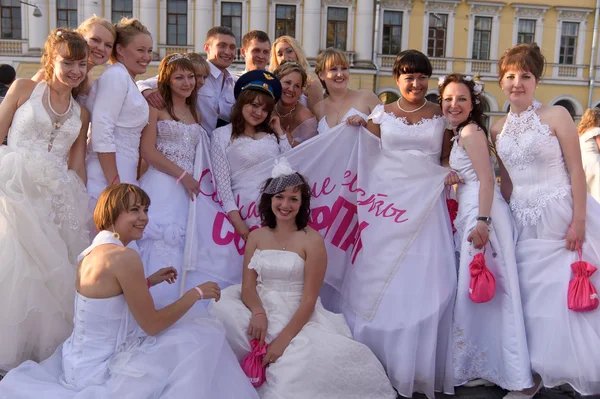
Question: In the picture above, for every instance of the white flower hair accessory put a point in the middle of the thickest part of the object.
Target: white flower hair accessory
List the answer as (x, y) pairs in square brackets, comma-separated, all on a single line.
[(59, 33), (477, 89), (283, 176), (468, 78), (441, 80)]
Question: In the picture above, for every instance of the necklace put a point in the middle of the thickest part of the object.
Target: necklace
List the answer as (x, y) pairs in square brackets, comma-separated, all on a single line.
[(283, 247), (182, 119), (288, 114), (337, 115), (56, 119), (411, 111)]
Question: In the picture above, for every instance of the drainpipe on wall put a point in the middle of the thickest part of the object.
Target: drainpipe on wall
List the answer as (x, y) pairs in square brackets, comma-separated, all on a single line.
[(375, 44), (593, 56)]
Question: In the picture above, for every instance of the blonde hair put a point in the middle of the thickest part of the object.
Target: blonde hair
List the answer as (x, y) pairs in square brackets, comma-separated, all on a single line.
[(198, 61), (329, 58), (86, 26), (295, 45), (127, 29), (69, 43), (590, 119), (288, 67), (167, 67), (114, 200)]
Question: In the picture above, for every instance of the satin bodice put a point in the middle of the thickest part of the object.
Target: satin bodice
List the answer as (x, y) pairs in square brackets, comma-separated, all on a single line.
[(533, 158), (33, 132), (177, 141), (279, 271), (422, 138)]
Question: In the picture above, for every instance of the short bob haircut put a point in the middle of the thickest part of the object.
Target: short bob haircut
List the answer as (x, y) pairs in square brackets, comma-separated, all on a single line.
[(329, 58), (114, 200), (267, 217), (411, 61), (288, 67), (525, 57)]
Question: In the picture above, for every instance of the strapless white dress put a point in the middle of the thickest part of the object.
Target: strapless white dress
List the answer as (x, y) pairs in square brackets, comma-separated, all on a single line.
[(109, 356), (322, 361), (564, 345), (43, 220), (323, 127), (496, 349)]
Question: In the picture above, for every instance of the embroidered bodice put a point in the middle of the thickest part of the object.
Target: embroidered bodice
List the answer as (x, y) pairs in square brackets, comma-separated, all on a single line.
[(461, 163), (177, 141), (281, 271), (323, 127), (230, 156), (33, 129), (397, 134), (119, 113), (533, 158)]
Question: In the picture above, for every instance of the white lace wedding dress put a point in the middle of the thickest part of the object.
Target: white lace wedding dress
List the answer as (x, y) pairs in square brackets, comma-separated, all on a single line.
[(496, 349), (43, 217), (109, 356), (564, 345), (164, 237), (322, 360)]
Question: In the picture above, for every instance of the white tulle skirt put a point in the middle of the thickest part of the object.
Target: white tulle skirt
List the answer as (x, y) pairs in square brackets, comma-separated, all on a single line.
[(564, 345), (43, 211)]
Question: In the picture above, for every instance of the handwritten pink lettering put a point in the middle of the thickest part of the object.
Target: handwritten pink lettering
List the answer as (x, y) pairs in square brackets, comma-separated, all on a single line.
[(207, 186), (317, 191)]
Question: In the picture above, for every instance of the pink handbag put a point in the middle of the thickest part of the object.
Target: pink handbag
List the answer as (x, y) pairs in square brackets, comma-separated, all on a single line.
[(582, 295), (452, 205), (252, 363), (482, 286)]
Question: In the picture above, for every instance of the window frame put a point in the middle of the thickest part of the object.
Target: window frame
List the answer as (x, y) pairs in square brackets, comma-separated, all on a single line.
[(241, 19), (480, 40), (286, 21), (16, 32), (69, 13), (563, 49), (521, 33), (179, 26), (384, 25), (435, 39), (117, 14), (337, 23)]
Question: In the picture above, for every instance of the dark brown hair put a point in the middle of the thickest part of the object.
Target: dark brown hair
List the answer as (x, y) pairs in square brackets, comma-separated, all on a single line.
[(237, 118), (476, 115), (523, 57), (218, 30), (411, 61), (114, 200), (267, 217), (259, 35), (165, 71)]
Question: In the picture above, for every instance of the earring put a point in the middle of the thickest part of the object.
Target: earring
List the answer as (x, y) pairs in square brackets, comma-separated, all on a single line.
[(115, 234)]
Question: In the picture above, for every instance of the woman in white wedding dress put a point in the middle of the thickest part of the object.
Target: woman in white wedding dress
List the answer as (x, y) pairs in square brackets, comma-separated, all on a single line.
[(589, 142), (342, 103), (543, 178), (411, 331), (310, 351), (44, 207), (121, 346), (168, 145), (119, 111), (495, 350)]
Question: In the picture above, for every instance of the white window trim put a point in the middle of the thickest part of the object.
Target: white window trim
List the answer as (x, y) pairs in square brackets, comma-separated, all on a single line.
[(485, 9), (134, 12), (578, 15), (162, 18), (404, 6), (447, 7), (273, 16), (574, 101), (53, 13), (349, 31), (217, 15), (528, 11)]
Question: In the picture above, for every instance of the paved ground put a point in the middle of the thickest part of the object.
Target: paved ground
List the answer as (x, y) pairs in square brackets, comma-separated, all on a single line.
[(498, 393)]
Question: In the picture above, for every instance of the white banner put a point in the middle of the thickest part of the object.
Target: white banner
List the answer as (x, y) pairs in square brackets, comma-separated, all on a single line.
[(367, 203)]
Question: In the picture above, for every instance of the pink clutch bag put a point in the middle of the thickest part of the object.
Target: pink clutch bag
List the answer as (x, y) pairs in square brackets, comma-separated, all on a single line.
[(482, 286), (252, 363), (582, 295)]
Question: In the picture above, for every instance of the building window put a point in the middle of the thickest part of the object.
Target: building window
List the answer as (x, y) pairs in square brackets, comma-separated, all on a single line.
[(11, 19), (66, 13), (482, 37), (120, 9), (526, 33), (337, 27), (285, 21), (177, 22), (392, 32), (568, 43), (231, 17), (436, 40)]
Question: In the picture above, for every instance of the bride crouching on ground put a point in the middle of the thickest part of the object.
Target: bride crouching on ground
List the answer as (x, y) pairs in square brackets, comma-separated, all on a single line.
[(121, 346), (310, 351)]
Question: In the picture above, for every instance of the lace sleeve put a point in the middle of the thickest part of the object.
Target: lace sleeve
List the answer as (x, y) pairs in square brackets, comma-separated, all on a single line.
[(148, 84), (111, 93), (221, 169), (284, 144), (377, 115)]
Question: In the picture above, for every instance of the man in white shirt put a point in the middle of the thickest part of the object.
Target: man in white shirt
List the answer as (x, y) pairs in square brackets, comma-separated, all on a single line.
[(256, 50), (215, 98)]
